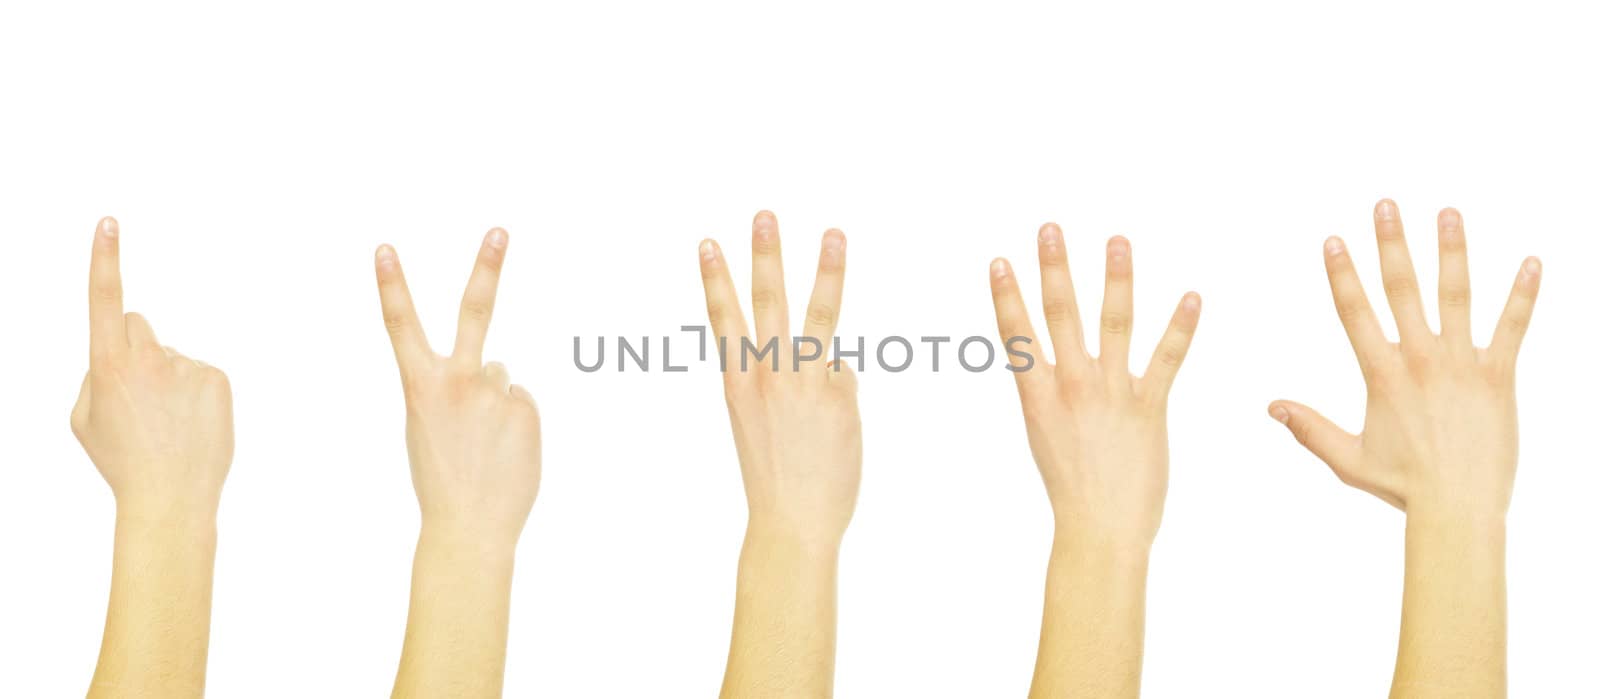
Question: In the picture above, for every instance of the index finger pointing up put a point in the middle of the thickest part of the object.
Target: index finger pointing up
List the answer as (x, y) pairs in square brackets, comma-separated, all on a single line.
[(106, 333), (477, 304)]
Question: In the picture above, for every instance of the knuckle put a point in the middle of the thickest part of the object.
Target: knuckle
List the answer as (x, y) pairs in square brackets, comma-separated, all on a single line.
[(395, 322), (1057, 310), (1350, 311), (475, 309), (1115, 323), (106, 293), (1399, 285), (1455, 297), (821, 314), (1170, 355), (718, 311), (1301, 432), (764, 298)]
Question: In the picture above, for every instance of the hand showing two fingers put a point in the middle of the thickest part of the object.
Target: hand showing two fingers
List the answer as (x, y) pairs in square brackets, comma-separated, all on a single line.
[(1098, 433), (158, 425), (473, 437), (1441, 425)]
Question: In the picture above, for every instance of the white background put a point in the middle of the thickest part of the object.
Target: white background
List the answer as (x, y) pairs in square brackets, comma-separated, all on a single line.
[(256, 157)]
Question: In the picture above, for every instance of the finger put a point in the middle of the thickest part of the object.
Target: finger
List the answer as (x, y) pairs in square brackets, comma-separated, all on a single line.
[(822, 313), (1174, 344), (1116, 312), (107, 336), (1350, 300), (477, 304), (841, 376), (1339, 449), (1399, 277), (497, 376), (1455, 290), (399, 316), (767, 299), (1060, 301), (1011, 316), (521, 393), (1518, 312), (722, 304), (139, 332)]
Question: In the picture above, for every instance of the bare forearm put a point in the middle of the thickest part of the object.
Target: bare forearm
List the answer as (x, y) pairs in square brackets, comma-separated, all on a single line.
[(784, 618), (455, 641), (158, 622), (1091, 643), (1453, 623)]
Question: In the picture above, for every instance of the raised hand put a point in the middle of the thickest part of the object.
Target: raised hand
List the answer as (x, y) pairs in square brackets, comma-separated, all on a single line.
[(798, 435), (157, 424), (1441, 427), (473, 438), (1440, 443), (1099, 437), (159, 427)]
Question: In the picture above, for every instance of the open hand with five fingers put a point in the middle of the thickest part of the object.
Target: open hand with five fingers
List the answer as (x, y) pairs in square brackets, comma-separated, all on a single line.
[(1441, 427), (1440, 443)]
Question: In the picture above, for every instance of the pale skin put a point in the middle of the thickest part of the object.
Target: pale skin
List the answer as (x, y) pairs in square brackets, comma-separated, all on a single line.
[(798, 436), (1099, 437), (473, 438), (1440, 444), (159, 427)]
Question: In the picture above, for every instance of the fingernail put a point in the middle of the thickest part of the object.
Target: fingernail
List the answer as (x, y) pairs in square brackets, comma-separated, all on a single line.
[(765, 225), (497, 238), (1334, 246), (833, 241), (108, 227), (1191, 301), (1532, 267), (708, 250), (999, 269), (1280, 414), (1449, 219), (1385, 210), (385, 255), (1117, 248), (1050, 234)]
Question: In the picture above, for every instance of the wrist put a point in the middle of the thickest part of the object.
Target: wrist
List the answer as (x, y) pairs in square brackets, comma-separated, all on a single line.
[(1455, 517), (165, 516), (467, 539), (1104, 548), (779, 536)]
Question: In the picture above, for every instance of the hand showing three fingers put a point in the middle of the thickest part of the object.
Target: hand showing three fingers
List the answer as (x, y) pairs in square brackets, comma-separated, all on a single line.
[(1441, 426), (798, 431), (472, 436), (158, 425), (1098, 433)]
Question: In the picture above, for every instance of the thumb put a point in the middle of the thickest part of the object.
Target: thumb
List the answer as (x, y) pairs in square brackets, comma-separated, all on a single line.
[(1339, 449)]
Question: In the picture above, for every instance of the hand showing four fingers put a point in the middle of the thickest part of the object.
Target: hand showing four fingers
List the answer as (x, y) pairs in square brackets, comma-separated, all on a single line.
[(158, 425), (1441, 425), (473, 437), (1098, 433)]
